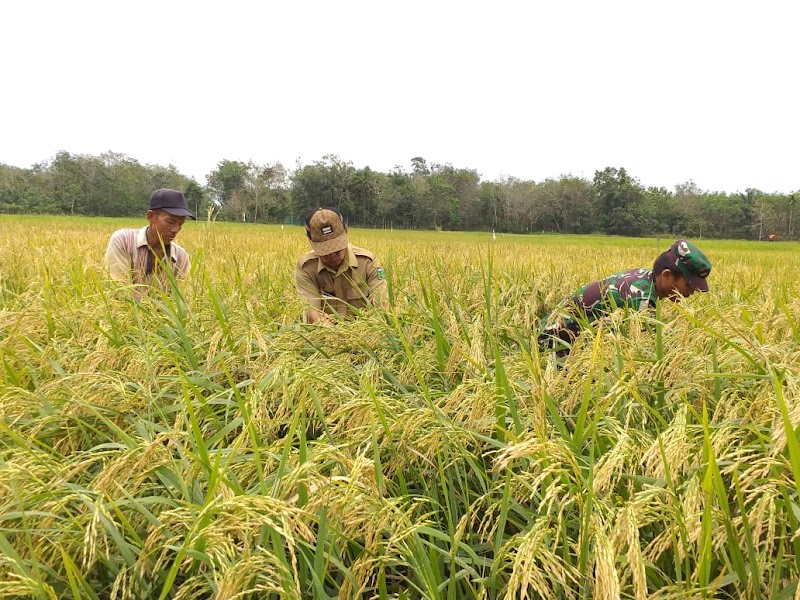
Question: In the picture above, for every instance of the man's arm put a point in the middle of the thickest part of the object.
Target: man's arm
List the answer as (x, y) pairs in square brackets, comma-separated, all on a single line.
[(182, 264), (559, 328), (376, 280), (118, 261), (309, 291)]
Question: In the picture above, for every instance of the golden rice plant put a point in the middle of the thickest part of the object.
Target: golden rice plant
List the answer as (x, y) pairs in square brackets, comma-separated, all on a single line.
[(206, 443)]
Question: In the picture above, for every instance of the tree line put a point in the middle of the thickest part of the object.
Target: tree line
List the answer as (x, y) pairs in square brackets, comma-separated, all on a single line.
[(426, 196)]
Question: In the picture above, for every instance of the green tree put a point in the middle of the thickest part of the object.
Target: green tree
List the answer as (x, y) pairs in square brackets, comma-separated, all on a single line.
[(465, 184), (364, 189), (728, 216), (443, 202), (690, 209), (12, 189), (419, 166), (566, 205), (490, 209), (324, 183), (660, 213), (195, 198), (225, 181), (262, 184), (67, 183), (521, 206), (619, 202), (401, 201), (785, 207)]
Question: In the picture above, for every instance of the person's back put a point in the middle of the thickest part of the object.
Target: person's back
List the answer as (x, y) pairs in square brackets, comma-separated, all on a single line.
[(634, 288)]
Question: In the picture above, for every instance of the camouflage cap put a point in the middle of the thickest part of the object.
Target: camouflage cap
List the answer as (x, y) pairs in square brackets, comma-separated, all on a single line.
[(326, 229), (694, 265)]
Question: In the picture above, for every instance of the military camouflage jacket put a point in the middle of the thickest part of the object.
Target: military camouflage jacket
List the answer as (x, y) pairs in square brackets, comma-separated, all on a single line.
[(634, 289)]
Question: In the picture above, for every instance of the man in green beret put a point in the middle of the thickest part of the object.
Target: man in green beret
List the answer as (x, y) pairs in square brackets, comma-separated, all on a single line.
[(677, 273)]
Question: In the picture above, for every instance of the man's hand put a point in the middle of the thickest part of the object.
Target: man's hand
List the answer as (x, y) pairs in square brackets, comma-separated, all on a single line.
[(318, 317)]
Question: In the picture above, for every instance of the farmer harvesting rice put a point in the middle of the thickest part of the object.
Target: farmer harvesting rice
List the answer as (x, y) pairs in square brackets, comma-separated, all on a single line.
[(145, 256), (336, 277), (676, 273)]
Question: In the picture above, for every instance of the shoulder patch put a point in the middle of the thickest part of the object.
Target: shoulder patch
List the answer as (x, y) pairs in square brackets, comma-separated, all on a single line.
[(363, 252), (305, 258), (380, 274)]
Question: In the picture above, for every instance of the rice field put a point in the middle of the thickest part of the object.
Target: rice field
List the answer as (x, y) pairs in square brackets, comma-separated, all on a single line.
[(206, 444)]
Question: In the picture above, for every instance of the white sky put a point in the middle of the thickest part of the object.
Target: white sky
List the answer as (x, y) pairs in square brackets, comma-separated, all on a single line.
[(677, 90)]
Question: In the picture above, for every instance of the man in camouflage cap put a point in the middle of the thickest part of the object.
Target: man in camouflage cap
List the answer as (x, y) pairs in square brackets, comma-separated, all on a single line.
[(676, 273), (336, 277)]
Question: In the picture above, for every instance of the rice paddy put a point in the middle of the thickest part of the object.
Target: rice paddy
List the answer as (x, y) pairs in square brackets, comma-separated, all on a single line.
[(206, 444)]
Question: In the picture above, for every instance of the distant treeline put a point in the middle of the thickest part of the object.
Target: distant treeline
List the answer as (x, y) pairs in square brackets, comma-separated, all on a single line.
[(428, 196)]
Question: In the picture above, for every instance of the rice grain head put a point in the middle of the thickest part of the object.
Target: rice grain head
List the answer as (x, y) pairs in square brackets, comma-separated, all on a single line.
[(606, 577)]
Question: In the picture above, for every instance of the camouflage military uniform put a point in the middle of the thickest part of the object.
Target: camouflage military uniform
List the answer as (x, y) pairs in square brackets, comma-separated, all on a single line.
[(634, 289), (677, 272)]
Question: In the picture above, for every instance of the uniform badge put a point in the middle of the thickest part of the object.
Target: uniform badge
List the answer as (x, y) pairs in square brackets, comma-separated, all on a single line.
[(327, 230), (379, 272)]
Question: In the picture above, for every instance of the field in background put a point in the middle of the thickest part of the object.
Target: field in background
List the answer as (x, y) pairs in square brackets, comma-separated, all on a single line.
[(206, 444)]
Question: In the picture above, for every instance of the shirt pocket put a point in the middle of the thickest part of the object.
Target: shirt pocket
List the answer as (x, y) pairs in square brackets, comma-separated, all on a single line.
[(357, 297)]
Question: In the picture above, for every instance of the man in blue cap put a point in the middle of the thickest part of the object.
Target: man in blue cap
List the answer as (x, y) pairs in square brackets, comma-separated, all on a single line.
[(145, 256), (677, 273)]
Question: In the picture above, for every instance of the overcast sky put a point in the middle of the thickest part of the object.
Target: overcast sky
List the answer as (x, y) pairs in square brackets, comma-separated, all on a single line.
[(671, 91)]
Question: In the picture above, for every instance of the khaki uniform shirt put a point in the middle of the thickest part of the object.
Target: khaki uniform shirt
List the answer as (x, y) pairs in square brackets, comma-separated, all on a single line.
[(129, 258), (359, 280)]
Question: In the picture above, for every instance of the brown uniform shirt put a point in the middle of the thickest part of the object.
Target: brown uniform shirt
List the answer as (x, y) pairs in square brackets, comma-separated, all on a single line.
[(358, 281)]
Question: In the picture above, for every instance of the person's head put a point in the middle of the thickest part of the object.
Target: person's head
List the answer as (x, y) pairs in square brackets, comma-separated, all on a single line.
[(681, 271), (327, 232), (166, 213)]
